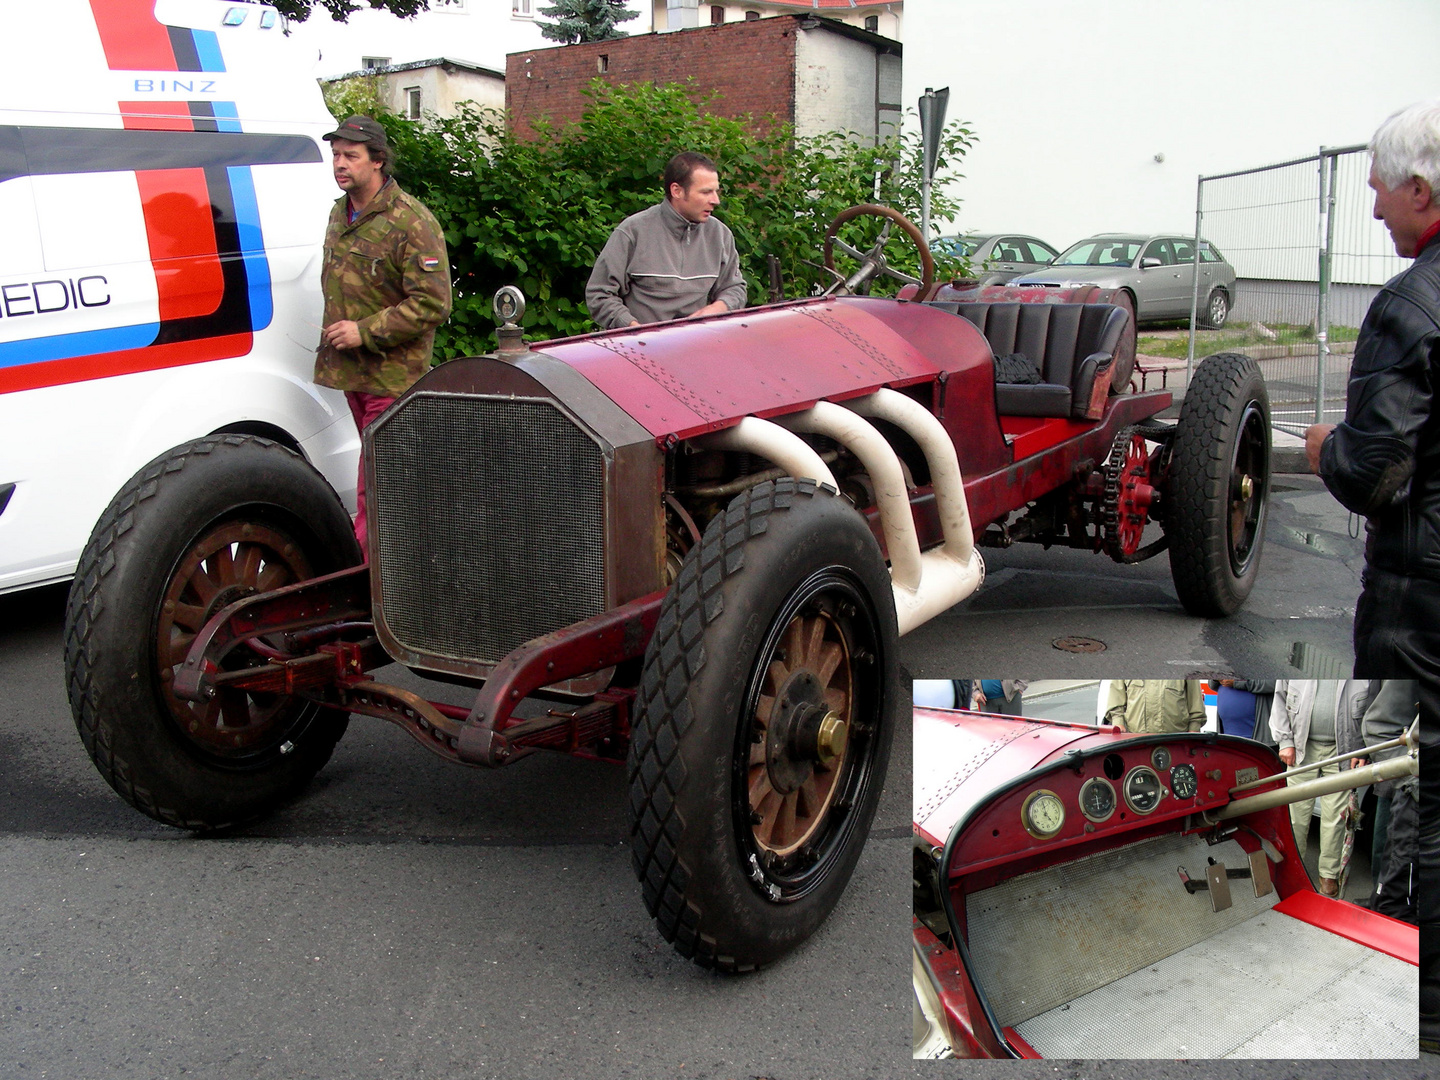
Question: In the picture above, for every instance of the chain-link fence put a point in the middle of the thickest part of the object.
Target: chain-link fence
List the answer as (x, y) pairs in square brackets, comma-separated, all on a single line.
[(1308, 258)]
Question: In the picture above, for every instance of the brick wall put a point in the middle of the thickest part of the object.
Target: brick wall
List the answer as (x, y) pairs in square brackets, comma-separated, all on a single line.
[(750, 64)]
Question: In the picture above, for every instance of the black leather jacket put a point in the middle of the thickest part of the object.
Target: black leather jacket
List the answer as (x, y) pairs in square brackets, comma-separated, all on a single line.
[(1383, 460)]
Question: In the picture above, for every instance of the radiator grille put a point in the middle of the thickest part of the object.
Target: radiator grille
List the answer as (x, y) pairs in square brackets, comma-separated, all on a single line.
[(487, 524)]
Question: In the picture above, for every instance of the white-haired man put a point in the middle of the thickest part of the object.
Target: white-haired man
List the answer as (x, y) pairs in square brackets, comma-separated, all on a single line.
[(1383, 461)]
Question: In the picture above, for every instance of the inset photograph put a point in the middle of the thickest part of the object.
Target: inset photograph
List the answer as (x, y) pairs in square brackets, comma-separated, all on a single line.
[(1165, 868)]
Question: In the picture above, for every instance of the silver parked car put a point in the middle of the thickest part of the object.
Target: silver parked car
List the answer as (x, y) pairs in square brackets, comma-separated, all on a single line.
[(1156, 270), (997, 257)]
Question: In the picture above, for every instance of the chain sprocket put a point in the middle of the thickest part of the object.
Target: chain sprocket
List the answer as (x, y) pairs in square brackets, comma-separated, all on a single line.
[(1125, 505)]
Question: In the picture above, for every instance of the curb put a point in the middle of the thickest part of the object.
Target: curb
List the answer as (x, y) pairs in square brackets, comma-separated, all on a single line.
[(1288, 459)]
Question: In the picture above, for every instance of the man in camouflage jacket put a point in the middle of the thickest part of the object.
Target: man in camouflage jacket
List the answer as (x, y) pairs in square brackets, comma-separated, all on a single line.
[(386, 281)]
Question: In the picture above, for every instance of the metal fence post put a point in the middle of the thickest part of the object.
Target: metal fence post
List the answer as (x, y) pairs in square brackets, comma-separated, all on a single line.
[(1327, 243), (1195, 283)]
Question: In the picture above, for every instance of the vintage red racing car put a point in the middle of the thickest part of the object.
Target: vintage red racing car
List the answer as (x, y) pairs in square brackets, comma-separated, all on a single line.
[(690, 547)]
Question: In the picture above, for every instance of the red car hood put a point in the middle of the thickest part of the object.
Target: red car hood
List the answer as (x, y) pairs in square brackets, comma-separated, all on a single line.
[(960, 757)]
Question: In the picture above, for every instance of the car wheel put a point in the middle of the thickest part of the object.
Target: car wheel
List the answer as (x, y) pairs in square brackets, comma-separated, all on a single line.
[(1217, 309), (766, 711), (1218, 483), (196, 529), (1125, 350)]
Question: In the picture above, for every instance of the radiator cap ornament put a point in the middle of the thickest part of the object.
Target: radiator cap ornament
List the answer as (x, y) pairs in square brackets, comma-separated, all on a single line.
[(509, 306)]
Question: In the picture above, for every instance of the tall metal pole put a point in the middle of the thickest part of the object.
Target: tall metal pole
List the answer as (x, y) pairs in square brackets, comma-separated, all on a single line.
[(932, 126), (1195, 281), (1327, 242)]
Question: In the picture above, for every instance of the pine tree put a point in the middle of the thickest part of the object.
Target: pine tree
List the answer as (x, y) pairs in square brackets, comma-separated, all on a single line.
[(578, 21)]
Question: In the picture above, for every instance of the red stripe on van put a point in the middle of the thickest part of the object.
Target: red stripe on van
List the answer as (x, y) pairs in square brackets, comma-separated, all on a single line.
[(131, 36), (125, 362), (179, 221), (156, 116)]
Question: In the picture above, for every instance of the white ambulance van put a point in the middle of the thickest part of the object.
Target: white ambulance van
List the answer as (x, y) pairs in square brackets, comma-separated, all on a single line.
[(163, 197)]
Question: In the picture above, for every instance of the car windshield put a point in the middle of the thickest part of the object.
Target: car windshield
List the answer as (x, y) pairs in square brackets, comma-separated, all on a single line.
[(959, 245), (1101, 252)]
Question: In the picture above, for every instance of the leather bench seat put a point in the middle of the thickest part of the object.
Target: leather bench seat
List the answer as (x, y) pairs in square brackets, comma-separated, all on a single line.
[(1071, 345)]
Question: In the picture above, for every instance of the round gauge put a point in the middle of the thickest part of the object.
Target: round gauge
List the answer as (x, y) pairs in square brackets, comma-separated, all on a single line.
[(1043, 814), (1097, 798), (1160, 758), (1183, 781), (1142, 789)]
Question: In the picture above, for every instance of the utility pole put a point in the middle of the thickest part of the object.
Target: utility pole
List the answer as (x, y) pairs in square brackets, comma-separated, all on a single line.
[(932, 124)]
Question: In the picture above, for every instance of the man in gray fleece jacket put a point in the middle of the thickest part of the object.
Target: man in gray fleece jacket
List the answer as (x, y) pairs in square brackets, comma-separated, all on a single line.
[(672, 261)]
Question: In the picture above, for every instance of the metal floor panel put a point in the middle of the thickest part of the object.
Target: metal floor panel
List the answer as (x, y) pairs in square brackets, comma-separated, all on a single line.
[(1046, 938), (1273, 987)]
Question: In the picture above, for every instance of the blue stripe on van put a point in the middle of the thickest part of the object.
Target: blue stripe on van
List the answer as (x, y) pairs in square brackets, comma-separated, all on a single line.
[(65, 346), (207, 48), (227, 116), (252, 246)]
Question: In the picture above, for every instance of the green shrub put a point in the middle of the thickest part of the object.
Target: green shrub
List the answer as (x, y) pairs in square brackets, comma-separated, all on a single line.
[(535, 212)]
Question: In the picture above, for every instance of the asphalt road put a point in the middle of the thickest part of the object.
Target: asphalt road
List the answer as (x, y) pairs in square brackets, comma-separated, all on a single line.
[(1295, 624), (408, 918), (405, 918)]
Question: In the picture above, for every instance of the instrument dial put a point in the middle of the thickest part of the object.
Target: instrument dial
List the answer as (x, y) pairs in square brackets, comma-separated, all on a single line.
[(1183, 781), (1160, 758), (1043, 814), (1097, 799), (1142, 789)]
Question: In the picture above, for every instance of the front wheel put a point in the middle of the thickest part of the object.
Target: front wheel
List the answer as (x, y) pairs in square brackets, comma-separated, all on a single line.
[(1218, 484), (198, 528), (763, 726)]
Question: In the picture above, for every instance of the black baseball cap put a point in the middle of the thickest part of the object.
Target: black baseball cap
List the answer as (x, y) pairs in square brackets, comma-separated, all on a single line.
[(360, 129)]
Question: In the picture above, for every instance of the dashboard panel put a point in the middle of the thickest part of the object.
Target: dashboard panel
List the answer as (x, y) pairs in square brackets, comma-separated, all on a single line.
[(1117, 787)]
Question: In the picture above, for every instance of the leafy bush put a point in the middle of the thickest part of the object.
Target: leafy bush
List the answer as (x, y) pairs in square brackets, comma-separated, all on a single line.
[(535, 212)]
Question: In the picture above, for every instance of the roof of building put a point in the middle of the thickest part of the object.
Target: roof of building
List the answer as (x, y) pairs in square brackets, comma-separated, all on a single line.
[(448, 62), (833, 3)]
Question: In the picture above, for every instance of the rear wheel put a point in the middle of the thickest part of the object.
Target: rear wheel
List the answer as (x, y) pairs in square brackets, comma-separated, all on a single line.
[(763, 727), (205, 525), (1217, 309), (1218, 483)]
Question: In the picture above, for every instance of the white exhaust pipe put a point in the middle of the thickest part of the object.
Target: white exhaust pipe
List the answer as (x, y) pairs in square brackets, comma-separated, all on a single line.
[(772, 442), (925, 584), (951, 572)]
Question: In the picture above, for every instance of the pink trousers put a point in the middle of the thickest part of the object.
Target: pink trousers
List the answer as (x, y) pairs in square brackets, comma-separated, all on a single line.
[(365, 408)]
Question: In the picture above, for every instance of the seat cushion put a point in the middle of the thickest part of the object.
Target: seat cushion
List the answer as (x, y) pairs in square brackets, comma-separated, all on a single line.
[(1037, 399)]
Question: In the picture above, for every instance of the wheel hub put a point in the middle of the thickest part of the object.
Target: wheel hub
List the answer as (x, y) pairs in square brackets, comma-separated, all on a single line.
[(233, 561), (801, 733)]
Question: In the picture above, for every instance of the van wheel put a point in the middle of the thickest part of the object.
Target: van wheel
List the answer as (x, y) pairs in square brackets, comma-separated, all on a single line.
[(1218, 483), (198, 528), (767, 706)]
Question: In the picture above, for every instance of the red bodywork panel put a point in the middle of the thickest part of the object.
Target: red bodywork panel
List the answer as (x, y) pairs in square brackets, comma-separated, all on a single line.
[(1368, 928), (690, 377), (686, 378)]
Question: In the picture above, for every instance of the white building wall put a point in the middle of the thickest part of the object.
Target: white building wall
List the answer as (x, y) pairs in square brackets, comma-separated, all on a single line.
[(835, 84), (1073, 102), (442, 92)]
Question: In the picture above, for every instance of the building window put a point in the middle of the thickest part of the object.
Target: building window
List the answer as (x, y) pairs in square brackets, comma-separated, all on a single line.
[(872, 23), (717, 15), (602, 63), (751, 16), (447, 5), (370, 63), (412, 102), (521, 9)]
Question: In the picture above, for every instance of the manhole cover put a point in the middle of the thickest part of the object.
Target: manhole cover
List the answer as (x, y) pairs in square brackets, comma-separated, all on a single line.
[(1078, 644)]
